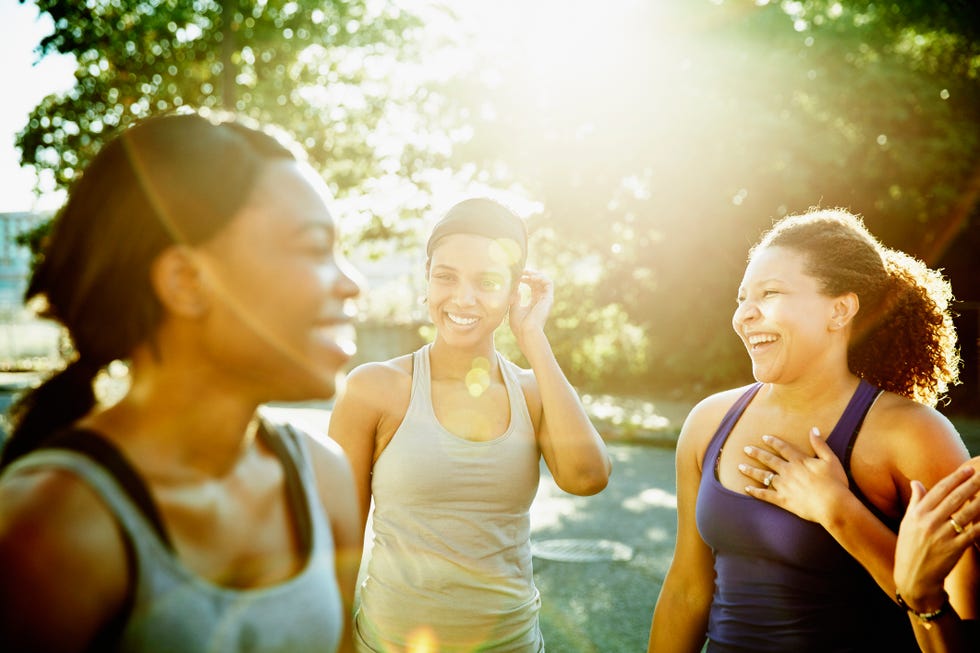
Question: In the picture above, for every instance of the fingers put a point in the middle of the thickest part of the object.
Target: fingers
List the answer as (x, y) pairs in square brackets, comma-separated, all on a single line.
[(952, 490), (820, 446), (767, 458), (763, 477), (918, 491)]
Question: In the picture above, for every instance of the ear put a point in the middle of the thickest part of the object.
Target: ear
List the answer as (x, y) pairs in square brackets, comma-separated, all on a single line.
[(844, 309), (179, 283)]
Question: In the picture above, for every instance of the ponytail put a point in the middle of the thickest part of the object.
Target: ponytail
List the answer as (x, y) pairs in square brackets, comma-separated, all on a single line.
[(906, 344), (42, 412)]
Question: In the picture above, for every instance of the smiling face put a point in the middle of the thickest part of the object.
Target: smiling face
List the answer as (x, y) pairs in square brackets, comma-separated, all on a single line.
[(470, 288), (279, 319), (783, 318)]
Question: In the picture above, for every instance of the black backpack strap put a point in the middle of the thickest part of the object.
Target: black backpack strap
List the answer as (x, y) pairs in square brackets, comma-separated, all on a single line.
[(109, 457)]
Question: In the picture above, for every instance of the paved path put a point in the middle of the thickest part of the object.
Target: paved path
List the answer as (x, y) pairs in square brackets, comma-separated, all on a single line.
[(605, 606)]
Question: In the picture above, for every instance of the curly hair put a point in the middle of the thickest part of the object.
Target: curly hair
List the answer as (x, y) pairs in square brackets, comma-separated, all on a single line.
[(903, 339)]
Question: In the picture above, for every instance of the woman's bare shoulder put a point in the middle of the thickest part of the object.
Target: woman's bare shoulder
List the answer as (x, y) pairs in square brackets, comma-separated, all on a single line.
[(703, 420), (62, 550), (378, 375)]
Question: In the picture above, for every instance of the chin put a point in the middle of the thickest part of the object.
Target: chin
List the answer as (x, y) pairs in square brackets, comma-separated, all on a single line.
[(310, 388)]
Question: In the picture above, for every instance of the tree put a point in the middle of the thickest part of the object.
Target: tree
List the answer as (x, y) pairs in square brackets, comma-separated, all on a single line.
[(319, 69), (662, 138)]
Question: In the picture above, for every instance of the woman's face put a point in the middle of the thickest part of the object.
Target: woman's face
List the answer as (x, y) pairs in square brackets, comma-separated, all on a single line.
[(782, 317), (470, 288), (281, 309)]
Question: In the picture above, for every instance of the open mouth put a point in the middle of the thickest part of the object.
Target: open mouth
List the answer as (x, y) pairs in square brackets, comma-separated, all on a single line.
[(761, 341), (343, 334), (462, 320)]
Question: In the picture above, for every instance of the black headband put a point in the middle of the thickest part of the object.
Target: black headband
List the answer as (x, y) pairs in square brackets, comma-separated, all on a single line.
[(481, 217)]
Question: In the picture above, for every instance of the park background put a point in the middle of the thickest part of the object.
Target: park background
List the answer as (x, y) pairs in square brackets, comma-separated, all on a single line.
[(647, 143)]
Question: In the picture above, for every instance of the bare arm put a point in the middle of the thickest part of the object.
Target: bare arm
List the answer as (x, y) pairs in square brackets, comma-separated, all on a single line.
[(354, 424), (336, 486), (64, 563), (907, 441), (929, 547), (570, 444), (680, 618)]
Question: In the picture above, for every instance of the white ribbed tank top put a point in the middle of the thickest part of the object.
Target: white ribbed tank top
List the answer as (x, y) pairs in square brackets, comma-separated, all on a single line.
[(451, 558)]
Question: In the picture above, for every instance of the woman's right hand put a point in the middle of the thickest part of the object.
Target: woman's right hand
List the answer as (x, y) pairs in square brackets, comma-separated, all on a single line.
[(938, 527)]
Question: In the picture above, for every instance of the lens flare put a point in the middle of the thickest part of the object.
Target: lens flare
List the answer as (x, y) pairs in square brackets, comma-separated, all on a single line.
[(423, 640)]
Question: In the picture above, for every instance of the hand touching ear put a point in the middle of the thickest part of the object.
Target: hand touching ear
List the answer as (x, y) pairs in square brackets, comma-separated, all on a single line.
[(529, 317)]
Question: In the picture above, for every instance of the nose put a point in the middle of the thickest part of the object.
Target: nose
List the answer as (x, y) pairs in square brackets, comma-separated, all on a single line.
[(347, 282), (746, 311), (465, 295)]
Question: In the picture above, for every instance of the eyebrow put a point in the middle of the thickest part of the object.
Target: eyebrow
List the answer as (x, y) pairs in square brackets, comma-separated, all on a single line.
[(763, 282), (487, 272)]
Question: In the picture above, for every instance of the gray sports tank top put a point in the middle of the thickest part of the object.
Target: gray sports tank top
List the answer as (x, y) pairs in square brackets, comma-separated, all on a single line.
[(450, 564), (176, 610)]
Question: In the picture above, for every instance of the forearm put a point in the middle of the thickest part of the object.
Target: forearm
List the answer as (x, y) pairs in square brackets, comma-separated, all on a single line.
[(947, 634), (578, 453), (865, 537), (679, 625)]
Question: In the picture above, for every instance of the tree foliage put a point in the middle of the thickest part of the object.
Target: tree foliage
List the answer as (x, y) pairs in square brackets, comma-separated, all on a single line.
[(317, 68), (683, 129), (659, 139)]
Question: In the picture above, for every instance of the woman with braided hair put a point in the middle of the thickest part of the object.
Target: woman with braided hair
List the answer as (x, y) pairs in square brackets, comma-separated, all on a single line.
[(786, 536), (202, 253)]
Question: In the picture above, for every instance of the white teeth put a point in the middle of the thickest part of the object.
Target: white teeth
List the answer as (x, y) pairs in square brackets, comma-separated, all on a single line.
[(460, 320), (345, 335), (760, 339)]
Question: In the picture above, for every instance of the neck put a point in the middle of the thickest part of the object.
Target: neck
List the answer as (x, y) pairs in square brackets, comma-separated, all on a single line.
[(454, 362), (178, 424), (801, 396)]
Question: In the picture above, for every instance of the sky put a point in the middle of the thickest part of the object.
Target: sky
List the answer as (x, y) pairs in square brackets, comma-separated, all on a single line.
[(25, 81)]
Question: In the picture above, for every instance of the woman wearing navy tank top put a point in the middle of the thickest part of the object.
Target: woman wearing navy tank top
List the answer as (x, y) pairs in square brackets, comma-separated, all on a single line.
[(175, 517), (850, 339), (447, 442)]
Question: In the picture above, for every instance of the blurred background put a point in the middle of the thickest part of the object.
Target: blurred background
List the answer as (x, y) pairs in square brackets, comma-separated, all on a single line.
[(647, 143)]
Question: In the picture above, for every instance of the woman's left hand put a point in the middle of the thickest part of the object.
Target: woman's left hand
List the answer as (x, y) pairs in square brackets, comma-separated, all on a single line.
[(530, 317), (807, 486), (939, 525)]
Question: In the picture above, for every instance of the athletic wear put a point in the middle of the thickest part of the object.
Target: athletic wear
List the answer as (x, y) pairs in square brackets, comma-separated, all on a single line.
[(783, 583), (451, 560), (173, 609)]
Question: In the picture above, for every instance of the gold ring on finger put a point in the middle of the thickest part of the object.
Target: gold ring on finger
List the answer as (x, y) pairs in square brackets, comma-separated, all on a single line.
[(956, 526)]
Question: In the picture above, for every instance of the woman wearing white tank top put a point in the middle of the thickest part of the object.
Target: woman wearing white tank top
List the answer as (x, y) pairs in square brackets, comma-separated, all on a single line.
[(447, 443)]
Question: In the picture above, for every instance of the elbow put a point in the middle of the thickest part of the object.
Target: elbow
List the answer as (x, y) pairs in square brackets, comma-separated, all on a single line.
[(588, 482)]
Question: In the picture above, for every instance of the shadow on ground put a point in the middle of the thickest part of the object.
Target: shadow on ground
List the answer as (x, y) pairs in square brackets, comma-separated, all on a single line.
[(605, 606)]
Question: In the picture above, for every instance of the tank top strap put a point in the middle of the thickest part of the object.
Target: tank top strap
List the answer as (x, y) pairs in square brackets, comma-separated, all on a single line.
[(728, 422), (290, 446), (842, 437), (841, 440), (515, 392), (420, 397)]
